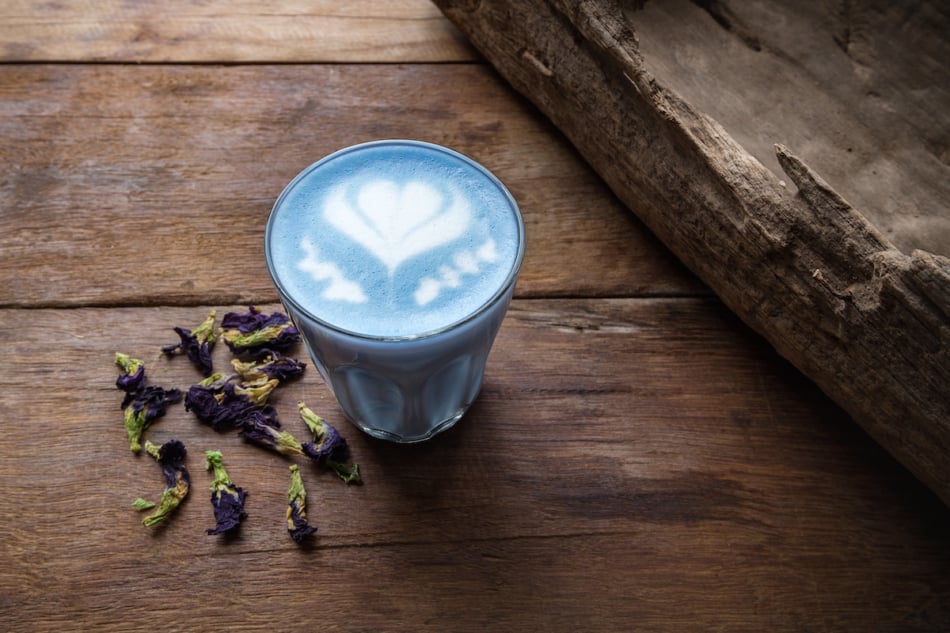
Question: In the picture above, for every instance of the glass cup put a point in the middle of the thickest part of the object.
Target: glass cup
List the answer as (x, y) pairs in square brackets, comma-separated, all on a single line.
[(397, 260)]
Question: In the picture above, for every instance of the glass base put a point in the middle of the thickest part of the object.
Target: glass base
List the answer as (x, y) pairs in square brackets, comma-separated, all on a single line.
[(402, 439)]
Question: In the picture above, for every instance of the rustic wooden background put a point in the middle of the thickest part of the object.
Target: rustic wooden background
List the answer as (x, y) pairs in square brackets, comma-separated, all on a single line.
[(638, 459)]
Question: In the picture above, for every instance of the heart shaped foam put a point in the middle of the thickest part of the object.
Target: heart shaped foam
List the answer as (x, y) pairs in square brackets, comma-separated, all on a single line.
[(396, 223)]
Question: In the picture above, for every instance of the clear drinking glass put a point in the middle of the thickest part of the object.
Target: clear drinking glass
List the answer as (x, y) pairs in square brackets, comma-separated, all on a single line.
[(397, 260)]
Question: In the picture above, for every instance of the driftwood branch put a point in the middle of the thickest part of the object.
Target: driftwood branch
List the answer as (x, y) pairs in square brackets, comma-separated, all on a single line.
[(866, 322)]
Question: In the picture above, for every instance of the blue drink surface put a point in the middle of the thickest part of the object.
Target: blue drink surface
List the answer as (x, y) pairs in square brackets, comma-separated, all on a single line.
[(394, 239)]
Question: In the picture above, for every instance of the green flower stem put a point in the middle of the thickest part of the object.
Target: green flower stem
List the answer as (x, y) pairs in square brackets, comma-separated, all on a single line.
[(253, 339), (214, 461), (141, 504), (135, 424), (204, 333), (127, 364), (313, 421)]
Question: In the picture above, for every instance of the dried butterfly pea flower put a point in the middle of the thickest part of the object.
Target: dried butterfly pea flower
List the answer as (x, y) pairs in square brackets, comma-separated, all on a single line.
[(251, 320), (142, 404), (258, 379), (196, 345), (252, 332), (215, 401), (132, 377), (142, 408), (226, 498), (271, 365), (171, 457), (203, 399), (297, 523), (258, 393), (258, 429), (327, 441), (328, 448)]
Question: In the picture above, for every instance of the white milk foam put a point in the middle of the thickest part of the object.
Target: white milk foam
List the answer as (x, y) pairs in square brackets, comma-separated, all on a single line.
[(393, 240)]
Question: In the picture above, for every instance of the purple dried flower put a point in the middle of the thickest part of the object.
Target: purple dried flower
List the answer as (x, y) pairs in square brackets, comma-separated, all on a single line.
[(328, 449), (171, 457), (143, 405), (297, 523), (216, 402), (252, 320), (327, 441), (132, 377), (196, 345), (258, 429), (204, 402), (272, 365), (253, 332), (283, 368), (226, 498), (142, 408), (259, 392)]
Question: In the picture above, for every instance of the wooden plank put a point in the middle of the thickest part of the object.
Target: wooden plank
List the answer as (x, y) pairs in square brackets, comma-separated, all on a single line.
[(161, 196), (526, 585), (237, 31), (648, 448)]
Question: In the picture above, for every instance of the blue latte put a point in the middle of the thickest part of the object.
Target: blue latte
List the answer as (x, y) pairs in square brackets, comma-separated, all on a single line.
[(393, 239), (397, 261)]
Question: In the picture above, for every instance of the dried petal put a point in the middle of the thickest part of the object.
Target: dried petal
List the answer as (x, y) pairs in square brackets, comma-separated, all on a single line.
[(226, 498), (142, 408), (328, 449), (171, 457), (252, 320), (283, 368), (327, 441), (253, 332), (271, 365), (196, 345), (348, 473), (297, 523), (217, 402), (141, 504), (258, 393), (258, 429), (132, 377)]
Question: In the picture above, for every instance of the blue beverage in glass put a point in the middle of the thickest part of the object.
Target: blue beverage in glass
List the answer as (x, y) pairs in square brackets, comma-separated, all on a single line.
[(397, 261)]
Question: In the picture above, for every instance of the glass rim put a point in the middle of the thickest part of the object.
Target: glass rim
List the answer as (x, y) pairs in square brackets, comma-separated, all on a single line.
[(497, 296)]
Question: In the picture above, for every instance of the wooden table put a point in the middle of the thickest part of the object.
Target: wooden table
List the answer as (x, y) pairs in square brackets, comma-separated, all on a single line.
[(637, 460)]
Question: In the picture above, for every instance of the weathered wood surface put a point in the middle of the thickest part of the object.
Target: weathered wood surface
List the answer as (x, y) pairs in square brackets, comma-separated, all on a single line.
[(638, 459), (627, 457), (236, 31), (868, 323), (859, 90), (88, 177)]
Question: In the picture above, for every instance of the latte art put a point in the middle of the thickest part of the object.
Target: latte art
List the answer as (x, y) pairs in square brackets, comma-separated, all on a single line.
[(338, 287), (464, 262), (395, 223)]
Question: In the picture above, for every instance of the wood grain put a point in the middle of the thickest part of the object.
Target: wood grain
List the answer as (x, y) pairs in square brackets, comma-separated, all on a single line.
[(236, 31), (648, 448), (637, 460), (858, 90), (157, 196)]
